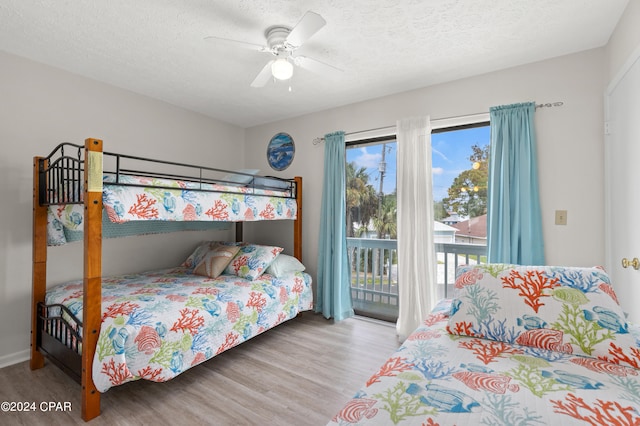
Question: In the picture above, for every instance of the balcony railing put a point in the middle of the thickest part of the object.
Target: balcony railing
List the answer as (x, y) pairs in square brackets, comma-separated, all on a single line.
[(374, 273)]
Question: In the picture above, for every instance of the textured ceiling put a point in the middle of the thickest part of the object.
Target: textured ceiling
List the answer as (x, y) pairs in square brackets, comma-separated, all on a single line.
[(158, 47)]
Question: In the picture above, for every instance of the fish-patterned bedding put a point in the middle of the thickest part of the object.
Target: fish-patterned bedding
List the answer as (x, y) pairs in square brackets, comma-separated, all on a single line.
[(469, 363), (141, 199), (158, 324), (187, 202), (162, 199)]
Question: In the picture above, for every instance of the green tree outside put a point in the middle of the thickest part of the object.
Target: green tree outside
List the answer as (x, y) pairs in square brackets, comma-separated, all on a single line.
[(361, 199), (468, 192)]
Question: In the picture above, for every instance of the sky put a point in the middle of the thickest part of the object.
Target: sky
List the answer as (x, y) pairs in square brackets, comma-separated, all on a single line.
[(450, 156)]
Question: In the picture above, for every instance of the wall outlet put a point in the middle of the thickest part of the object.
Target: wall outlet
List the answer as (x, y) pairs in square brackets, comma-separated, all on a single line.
[(561, 217)]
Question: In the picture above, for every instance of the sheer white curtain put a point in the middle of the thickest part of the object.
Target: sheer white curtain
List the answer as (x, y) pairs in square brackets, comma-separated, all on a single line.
[(416, 251)]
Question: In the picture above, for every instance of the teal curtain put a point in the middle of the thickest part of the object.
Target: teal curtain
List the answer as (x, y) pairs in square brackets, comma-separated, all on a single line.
[(333, 297), (514, 223)]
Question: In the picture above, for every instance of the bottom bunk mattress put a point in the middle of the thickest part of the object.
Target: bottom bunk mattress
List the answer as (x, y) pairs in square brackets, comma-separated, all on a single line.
[(438, 378), (158, 324)]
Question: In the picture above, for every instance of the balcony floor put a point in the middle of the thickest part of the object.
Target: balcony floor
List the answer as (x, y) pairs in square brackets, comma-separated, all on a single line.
[(380, 300)]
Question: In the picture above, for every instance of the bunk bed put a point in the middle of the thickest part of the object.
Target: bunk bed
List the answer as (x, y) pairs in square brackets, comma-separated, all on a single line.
[(105, 331), (517, 345)]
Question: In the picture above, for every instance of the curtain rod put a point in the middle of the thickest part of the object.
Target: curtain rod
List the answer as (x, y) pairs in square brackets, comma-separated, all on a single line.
[(318, 140)]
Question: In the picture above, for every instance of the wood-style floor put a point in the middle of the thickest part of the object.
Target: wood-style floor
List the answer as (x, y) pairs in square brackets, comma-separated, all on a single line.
[(299, 373)]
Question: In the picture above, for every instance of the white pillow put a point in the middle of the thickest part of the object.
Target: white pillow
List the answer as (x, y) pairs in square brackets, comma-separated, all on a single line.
[(262, 182), (284, 264), (243, 179)]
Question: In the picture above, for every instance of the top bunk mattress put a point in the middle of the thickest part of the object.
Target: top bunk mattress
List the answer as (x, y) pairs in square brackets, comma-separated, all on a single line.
[(144, 198), (173, 202), (140, 198), (137, 190)]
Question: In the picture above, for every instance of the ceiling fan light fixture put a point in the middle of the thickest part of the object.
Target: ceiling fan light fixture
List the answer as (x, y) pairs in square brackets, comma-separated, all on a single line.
[(282, 69)]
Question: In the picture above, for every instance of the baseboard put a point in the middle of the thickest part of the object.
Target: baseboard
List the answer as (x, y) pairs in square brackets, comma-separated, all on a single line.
[(375, 320), (14, 358)]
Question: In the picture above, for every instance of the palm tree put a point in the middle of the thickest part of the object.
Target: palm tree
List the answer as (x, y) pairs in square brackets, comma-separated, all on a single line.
[(361, 198), (385, 224), (385, 220)]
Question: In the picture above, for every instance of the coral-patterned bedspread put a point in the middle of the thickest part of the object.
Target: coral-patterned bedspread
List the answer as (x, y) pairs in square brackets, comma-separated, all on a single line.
[(436, 378), (186, 203), (158, 324), (183, 201)]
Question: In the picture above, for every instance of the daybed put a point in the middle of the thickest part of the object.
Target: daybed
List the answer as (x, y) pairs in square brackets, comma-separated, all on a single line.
[(515, 346), (154, 325)]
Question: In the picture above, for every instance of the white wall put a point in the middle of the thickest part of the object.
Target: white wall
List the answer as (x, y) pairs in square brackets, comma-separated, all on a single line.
[(40, 107), (569, 140), (624, 40)]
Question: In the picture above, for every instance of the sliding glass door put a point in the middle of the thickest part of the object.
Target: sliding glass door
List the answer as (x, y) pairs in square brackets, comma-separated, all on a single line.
[(460, 169)]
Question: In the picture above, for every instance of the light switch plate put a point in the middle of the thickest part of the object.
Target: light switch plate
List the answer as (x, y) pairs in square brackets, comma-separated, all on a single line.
[(561, 217)]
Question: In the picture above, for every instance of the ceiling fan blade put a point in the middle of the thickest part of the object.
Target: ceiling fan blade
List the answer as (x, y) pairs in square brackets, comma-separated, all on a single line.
[(315, 66), (243, 44), (310, 24), (263, 76)]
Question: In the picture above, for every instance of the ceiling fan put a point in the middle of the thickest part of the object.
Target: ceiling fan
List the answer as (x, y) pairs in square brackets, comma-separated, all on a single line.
[(282, 43)]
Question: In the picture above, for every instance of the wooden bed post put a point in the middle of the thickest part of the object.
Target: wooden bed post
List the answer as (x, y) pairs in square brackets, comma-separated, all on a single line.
[(297, 224), (39, 267), (92, 284), (239, 232)]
